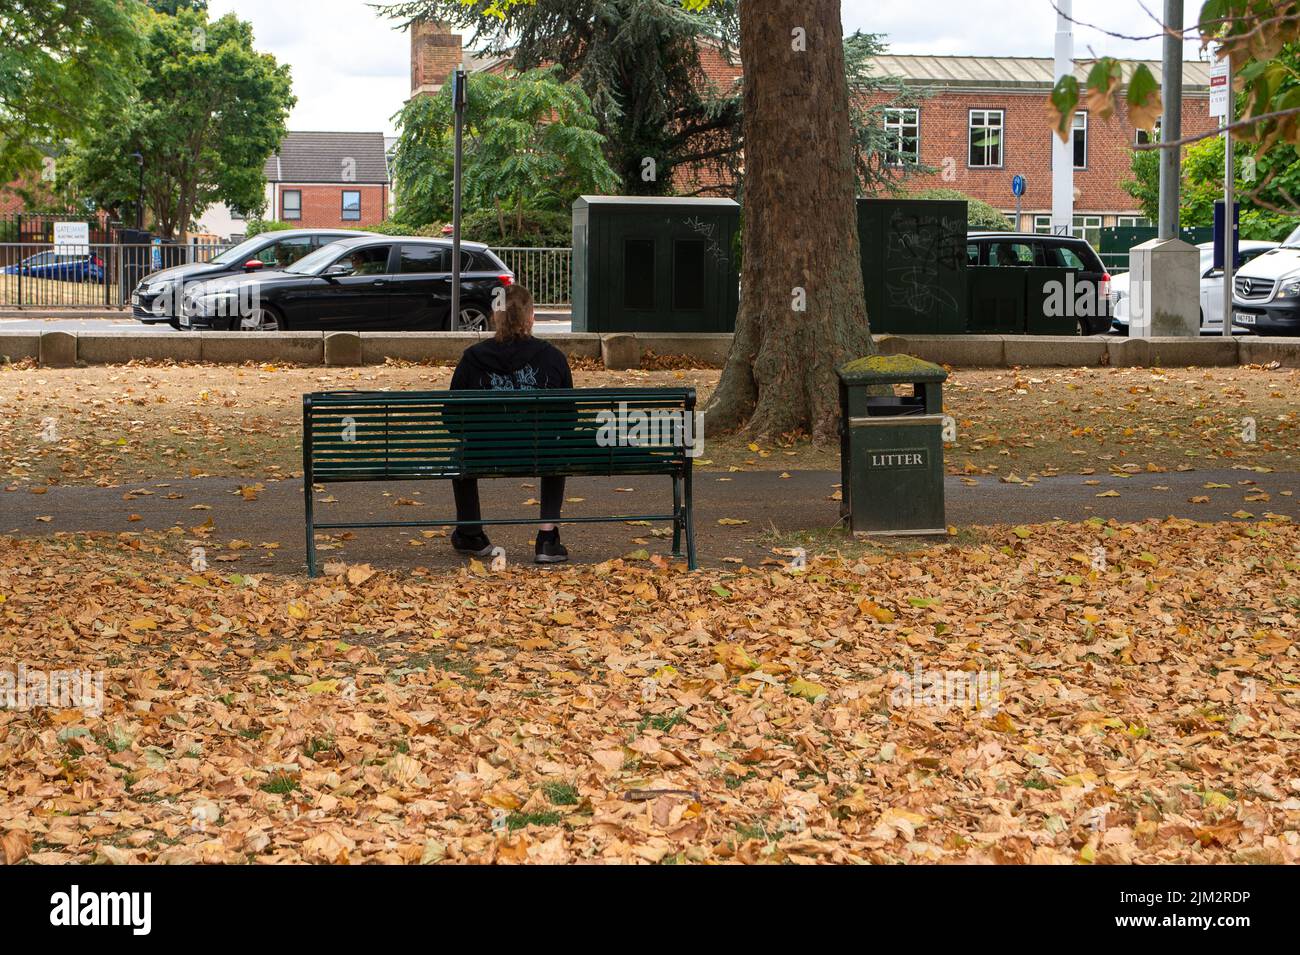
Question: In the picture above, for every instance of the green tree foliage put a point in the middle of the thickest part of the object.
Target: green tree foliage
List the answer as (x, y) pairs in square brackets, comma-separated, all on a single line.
[(1266, 185), (530, 144), (638, 61), (57, 61), (979, 214), (1259, 37), (206, 112)]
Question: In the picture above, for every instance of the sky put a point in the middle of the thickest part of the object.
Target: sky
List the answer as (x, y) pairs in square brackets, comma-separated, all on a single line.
[(351, 67)]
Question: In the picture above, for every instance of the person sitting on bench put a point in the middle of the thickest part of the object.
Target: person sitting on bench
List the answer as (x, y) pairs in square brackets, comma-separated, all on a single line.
[(513, 360)]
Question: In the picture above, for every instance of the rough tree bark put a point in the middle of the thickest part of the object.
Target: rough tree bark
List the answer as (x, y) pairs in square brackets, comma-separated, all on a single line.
[(800, 230)]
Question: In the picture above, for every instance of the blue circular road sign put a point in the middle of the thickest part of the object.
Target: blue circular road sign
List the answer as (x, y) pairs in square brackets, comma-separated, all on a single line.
[(1017, 185)]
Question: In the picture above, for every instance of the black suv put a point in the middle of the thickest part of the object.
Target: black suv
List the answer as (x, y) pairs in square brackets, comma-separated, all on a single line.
[(159, 295), (360, 284), (1030, 249)]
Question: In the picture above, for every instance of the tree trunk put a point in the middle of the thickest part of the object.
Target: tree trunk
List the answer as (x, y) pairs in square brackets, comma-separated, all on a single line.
[(802, 312)]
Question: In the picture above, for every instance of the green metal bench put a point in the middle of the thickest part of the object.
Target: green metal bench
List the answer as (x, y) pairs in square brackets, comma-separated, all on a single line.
[(351, 436)]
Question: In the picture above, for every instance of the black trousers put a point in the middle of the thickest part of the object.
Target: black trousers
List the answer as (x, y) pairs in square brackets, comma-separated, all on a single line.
[(467, 503)]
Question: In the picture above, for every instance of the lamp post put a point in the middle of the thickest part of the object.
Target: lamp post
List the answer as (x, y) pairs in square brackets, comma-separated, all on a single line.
[(139, 195), (459, 98)]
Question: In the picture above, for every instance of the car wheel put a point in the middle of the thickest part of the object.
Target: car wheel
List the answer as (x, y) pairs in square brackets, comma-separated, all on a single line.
[(261, 320), (473, 319)]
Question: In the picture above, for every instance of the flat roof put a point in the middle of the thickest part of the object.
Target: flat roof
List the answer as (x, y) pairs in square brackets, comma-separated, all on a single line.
[(653, 201)]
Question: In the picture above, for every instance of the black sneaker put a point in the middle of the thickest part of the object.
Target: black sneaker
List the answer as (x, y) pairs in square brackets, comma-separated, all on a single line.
[(476, 545), (548, 549)]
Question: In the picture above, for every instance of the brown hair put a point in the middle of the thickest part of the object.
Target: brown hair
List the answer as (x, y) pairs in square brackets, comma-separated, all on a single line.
[(511, 322)]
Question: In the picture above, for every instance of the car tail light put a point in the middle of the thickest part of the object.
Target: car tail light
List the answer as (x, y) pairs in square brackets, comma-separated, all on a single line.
[(1105, 285), (506, 279)]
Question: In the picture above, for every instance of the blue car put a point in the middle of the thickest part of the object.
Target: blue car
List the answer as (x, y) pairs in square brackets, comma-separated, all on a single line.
[(60, 267)]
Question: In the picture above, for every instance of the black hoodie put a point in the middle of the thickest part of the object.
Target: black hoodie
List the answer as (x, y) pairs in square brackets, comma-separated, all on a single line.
[(520, 365)]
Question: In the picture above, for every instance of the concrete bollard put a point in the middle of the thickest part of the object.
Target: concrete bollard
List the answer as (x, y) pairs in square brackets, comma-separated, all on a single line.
[(58, 349), (620, 352), (342, 349)]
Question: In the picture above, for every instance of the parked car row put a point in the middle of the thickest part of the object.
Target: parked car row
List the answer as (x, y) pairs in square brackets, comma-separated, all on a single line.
[(305, 279), (60, 267)]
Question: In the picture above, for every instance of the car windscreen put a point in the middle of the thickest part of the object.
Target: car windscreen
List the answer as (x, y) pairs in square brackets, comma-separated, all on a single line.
[(314, 262), (1293, 240), (241, 252)]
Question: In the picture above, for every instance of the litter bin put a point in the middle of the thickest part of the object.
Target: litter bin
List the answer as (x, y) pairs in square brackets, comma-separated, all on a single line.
[(891, 448)]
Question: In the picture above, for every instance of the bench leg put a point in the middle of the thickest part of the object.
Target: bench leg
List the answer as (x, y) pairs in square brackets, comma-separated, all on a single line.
[(677, 516), (311, 530), (690, 521)]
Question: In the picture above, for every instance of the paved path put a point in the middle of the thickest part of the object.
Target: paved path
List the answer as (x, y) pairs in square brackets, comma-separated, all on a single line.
[(768, 502)]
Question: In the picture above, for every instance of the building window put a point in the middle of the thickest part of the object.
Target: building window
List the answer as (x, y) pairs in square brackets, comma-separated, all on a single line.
[(1133, 222), (1088, 227), (351, 205), (1080, 130), (1144, 137), (1085, 227), (902, 137), (291, 204), (237, 216), (985, 139)]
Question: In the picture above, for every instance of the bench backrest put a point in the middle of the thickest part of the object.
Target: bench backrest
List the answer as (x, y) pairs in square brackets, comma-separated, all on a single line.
[(381, 435)]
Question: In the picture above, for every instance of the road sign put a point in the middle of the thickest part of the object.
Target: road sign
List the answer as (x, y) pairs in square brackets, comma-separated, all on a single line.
[(1219, 87), (72, 238), (1017, 186)]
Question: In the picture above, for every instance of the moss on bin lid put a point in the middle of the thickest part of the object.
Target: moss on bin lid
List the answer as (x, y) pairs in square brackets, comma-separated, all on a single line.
[(891, 368)]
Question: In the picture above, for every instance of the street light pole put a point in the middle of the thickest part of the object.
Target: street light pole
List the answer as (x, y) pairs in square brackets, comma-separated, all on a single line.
[(1171, 123), (1229, 219), (458, 103)]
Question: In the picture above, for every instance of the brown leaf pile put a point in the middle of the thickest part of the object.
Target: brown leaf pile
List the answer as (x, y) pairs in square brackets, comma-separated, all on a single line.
[(1146, 707)]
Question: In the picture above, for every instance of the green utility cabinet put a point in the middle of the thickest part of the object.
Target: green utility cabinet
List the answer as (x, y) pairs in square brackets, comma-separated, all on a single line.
[(891, 448), (914, 265), (655, 264)]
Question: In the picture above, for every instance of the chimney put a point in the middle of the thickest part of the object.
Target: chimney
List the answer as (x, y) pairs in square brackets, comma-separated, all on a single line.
[(435, 54)]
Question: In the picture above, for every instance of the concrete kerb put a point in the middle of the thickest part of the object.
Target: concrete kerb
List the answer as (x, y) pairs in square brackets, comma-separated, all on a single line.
[(300, 348), (1265, 351), (626, 350), (1053, 351), (111, 348), (709, 347), (1172, 352), (16, 346), (962, 351)]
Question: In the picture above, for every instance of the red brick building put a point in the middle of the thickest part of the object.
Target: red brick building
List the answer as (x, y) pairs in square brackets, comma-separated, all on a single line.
[(322, 180), (979, 121), (983, 120)]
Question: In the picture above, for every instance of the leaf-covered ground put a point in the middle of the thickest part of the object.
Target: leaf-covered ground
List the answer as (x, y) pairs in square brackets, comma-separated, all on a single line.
[(115, 424), (1146, 706)]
